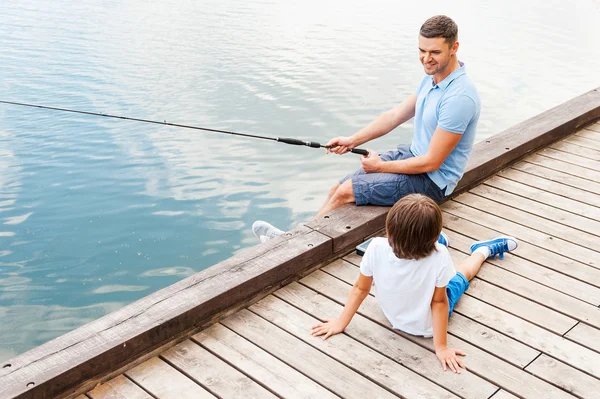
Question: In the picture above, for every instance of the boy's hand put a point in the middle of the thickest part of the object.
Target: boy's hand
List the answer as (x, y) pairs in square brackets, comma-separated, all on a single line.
[(447, 357), (329, 328)]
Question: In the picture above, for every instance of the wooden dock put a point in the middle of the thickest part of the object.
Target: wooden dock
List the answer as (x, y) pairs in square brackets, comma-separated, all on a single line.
[(530, 324)]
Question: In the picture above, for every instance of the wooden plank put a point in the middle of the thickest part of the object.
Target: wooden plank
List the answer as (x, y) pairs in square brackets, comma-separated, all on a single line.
[(538, 338), (524, 308), (524, 234), (213, 373), (582, 142), (589, 134), (498, 151), (480, 362), (594, 126), (387, 342), (503, 347), (579, 244), (551, 186), (326, 371), (576, 149), (536, 292), (566, 377), (570, 158), (364, 360), (558, 176), (585, 335), (555, 215), (118, 388), (551, 199), (502, 394), (550, 269), (260, 365), (350, 224), (163, 381), (115, 340), (564, 167)]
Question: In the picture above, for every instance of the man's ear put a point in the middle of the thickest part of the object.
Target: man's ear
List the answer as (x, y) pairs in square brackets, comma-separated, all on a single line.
[(455, 47)]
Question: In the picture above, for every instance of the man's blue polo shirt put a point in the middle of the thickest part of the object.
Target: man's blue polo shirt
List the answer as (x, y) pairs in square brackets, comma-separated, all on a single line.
[(453, 105)]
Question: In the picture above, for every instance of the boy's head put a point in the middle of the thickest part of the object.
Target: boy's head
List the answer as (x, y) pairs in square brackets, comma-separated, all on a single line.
[(413, 226)]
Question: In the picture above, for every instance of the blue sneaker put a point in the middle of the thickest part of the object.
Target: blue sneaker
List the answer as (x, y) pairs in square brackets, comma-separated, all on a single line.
[(497, 246), (444, 239)]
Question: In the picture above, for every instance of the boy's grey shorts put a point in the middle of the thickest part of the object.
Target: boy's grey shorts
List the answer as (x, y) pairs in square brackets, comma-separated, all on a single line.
[(387, 188)]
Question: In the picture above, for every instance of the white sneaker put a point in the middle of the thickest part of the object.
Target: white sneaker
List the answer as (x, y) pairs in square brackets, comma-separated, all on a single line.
[(265, 231)]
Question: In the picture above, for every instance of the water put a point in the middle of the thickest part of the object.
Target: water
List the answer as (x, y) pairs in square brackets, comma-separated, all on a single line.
[(96, 213)]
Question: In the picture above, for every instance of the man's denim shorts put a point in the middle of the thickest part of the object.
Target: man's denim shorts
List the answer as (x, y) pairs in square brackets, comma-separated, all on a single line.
[(455, 288), (386, 189)]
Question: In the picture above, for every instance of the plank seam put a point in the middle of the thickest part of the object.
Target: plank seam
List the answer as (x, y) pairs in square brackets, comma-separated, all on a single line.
[(141, 387)]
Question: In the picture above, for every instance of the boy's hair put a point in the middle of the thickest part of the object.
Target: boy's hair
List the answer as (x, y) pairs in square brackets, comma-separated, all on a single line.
[(413, 226), (440, 26)]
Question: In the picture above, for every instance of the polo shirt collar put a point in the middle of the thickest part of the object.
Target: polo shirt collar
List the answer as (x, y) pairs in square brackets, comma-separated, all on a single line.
[(444, 83)]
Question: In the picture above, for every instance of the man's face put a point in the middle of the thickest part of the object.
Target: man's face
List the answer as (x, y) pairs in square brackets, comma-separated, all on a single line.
[(435, 54)]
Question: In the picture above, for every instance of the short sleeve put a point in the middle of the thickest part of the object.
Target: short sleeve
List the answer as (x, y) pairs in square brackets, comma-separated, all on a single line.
[(446, 270), (366, 264), (456, 112)]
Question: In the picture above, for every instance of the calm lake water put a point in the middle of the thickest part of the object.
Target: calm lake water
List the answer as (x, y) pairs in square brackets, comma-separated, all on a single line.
[(96, 213)]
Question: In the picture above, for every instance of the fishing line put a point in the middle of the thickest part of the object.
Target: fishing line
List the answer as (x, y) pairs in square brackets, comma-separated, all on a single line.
[(285, 140)]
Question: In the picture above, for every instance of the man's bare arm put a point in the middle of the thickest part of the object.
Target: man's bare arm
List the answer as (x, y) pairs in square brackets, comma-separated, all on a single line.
[(382, 125), (387, 121)]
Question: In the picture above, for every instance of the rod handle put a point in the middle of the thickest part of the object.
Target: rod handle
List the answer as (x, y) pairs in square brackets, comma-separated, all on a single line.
[(288, 140), (360, 151)]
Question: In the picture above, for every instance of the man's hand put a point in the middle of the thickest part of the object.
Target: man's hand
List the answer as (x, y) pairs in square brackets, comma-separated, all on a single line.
[(448, 358), (329, 328), (371, 163), (339, 145)]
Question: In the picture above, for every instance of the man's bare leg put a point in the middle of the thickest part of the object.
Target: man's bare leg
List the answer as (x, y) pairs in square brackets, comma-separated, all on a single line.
[(338, 196), (331, 193)]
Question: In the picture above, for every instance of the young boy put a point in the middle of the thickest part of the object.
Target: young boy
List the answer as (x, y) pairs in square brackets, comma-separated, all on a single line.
[(417, 285)]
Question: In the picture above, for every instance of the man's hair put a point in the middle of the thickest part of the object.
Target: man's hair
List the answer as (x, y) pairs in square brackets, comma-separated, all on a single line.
[(413, 226), (440, 26)]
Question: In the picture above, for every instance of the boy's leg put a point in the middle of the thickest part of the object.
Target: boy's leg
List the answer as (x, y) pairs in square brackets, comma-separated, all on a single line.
[(471, 265), (468, 268)]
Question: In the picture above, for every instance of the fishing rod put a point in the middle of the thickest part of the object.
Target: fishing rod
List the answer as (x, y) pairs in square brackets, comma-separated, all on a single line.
[(285, 140)]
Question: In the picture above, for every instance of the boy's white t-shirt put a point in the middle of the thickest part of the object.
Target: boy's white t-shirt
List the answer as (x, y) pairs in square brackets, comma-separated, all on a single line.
[(404, 288)]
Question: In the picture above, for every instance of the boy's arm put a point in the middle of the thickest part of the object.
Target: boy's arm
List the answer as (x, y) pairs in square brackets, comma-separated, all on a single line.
[(439, 314), (359, 292)]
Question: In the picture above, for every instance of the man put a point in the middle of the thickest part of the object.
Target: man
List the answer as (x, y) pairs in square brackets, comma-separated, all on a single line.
[(446, 109)]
